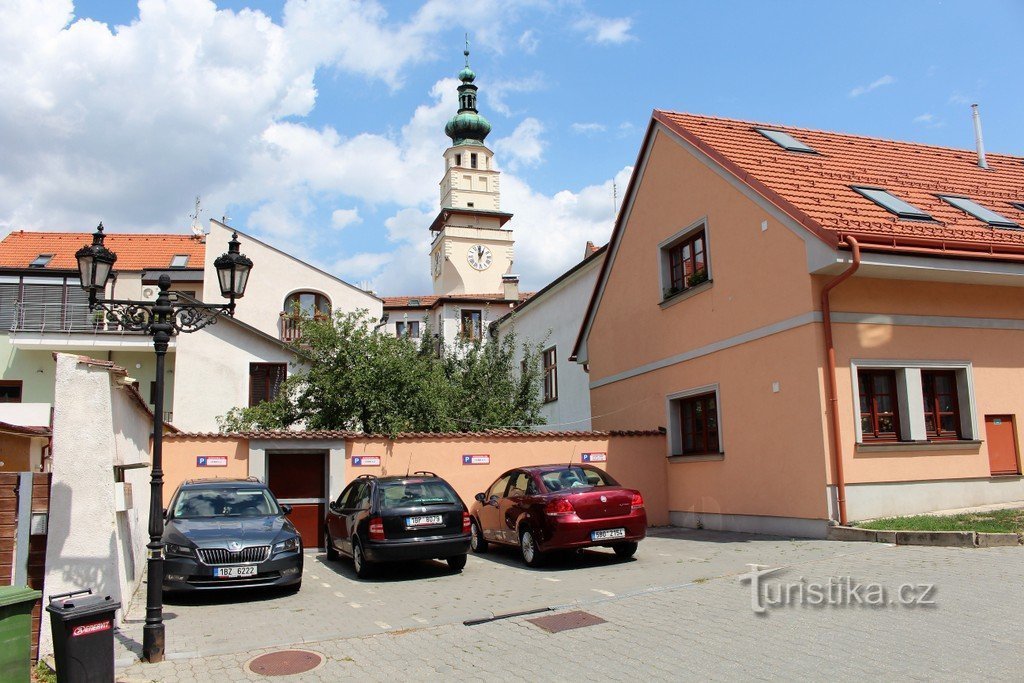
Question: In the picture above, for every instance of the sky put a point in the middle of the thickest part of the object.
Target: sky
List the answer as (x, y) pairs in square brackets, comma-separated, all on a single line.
[(317, 125)]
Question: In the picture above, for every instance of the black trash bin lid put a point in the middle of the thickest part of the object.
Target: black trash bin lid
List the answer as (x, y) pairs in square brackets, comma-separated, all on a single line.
[(67, 607)]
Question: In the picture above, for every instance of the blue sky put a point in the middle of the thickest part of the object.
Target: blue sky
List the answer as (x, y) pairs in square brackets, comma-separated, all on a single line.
[(318, 125)]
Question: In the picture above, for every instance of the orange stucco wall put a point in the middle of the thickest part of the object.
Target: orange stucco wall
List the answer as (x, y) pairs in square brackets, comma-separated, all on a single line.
[(180, 460), (774, 443)]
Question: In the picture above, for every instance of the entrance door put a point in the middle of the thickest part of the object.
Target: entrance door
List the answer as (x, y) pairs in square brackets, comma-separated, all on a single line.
[(1001, 434), (300, 480)]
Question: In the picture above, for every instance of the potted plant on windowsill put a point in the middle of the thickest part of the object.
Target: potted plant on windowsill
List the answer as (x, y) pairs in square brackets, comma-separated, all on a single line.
[(698, 277), (669, 292)]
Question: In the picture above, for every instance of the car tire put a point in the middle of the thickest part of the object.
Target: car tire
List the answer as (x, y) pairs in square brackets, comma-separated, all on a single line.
[(363, 567), (456, 563), (332, 552), (625, 550), (531, 553), (477, 542)]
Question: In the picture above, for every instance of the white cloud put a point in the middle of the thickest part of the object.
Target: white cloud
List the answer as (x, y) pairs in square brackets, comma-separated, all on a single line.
[(924, 118), (959, 98), (588, 128), (524, 147), (605, 30), (929, 120), (496, 92), (528, 42), (340, 218), (878, 83), (362, 265)]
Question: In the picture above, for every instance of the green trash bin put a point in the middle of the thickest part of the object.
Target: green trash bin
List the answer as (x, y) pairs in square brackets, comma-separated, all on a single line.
[(16, 603)]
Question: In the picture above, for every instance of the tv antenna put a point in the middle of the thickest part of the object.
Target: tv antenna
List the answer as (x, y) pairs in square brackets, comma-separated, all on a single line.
[(615, 198), (197, 225)]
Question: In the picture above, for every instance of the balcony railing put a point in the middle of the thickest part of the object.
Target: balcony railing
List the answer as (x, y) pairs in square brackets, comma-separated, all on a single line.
[(291, 326), (63, 318)]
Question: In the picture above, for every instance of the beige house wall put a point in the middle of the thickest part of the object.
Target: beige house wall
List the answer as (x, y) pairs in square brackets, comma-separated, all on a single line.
[(180, 455)]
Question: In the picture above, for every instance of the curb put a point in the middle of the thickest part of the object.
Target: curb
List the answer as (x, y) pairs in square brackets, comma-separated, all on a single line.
[(948, 539)]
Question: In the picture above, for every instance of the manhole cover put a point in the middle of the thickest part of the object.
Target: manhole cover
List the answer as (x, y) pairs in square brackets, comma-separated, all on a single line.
[(566, 621), (285, 663)]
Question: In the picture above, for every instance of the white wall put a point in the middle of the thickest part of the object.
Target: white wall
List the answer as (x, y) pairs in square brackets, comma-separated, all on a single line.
[(557, 315), (211, 372), (97, 424), (274, 276), (25, 414)]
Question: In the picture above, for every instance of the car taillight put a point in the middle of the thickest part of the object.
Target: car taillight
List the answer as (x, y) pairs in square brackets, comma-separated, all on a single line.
[(376, 529), (560, 506), (638, 501)]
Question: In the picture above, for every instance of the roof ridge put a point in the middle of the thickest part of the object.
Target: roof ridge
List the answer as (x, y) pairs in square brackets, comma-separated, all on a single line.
[(785, 127)]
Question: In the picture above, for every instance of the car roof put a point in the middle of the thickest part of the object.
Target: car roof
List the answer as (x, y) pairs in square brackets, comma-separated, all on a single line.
[(221, 482), (406, 479), (553, 468)]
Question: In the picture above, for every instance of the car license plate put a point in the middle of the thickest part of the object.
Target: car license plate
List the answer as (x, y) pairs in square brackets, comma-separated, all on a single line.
[(425, 520), (605, 534), (234, 572)]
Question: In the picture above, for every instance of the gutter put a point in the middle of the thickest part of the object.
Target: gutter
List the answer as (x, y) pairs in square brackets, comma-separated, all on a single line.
[(833, 399)]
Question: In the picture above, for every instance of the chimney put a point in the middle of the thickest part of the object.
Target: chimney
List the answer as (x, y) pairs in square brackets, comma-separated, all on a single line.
[(510, 287), (589, 249), (978, 142)]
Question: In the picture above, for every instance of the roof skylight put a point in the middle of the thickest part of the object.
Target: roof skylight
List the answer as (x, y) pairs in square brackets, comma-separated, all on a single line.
[(979, 211), (786, 141), (892, 203), (179, 261), (1017, 205), (41, 261)]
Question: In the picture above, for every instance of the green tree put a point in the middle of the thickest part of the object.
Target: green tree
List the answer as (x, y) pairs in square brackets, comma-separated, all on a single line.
[(360, 378)]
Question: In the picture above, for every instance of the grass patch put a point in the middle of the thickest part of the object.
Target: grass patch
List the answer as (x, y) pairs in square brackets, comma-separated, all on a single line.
[(992, 521), (43, 674)]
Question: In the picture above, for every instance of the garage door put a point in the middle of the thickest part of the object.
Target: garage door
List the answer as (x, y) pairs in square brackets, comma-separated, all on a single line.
[(300, 480)]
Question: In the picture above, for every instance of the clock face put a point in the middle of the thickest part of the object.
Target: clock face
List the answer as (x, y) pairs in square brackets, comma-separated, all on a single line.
[(479, 257)]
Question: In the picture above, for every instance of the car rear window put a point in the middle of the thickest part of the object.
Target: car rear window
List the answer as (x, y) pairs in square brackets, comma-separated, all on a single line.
[(410, 494), (575, 478), (225, 503)]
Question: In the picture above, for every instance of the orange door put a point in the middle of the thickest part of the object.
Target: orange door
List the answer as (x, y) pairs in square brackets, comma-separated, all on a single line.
[(1001, 434), (300, 480)]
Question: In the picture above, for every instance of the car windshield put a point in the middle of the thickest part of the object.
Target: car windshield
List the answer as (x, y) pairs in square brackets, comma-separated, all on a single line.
[(225, 503), (575, 478), (411, 494)]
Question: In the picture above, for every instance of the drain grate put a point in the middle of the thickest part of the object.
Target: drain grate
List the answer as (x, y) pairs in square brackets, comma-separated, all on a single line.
[(566, 621), (285, 663)]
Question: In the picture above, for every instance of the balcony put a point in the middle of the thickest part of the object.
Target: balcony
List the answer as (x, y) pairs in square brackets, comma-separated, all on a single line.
[(69, 326), (291, 325)]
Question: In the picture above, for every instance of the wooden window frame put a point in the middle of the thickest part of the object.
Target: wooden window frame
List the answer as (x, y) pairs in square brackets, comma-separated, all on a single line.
[(321, 304), (872, 412), (681, 268), (710, 438), (931, 406), (11, 383), (473, 333), (253, 368), (550, 374)]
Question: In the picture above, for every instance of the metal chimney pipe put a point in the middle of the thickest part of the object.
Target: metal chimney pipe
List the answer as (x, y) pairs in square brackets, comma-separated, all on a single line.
[(978, 142)]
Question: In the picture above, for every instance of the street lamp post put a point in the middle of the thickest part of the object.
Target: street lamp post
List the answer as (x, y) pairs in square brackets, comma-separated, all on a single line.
[(161, 319)]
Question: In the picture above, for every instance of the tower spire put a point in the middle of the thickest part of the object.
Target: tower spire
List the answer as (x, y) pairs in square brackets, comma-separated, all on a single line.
[(466, 51), (467, 127)]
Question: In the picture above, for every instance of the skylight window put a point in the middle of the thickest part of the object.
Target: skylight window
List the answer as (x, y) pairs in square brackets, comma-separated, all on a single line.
[(892, 203), (179, 261), (1017, 205), (979, 212), (786, 141), (40, 261)]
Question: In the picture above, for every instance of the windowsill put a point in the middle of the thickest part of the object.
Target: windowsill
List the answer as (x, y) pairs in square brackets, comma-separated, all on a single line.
[(897, 446), (685, 294), (703, 457), (550, 400)]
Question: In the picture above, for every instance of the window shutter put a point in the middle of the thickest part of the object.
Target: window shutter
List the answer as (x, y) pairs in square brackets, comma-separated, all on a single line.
[(8, 304), (43, 308)]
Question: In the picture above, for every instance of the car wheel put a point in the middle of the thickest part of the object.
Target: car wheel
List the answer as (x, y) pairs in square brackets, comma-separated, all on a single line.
[(364, 568), (456, 563), (625, 550), (477, 542), (332, 552), (532, 555)]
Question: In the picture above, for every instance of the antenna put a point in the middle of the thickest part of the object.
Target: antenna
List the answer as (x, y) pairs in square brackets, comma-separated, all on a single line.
[(409, 466), (572, 456), (197, 226), (615, 198)]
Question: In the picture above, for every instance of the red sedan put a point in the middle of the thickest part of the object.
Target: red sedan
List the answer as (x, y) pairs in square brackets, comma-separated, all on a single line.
[(555, 507)]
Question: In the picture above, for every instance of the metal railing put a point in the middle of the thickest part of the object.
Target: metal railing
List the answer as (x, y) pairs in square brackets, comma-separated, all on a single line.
[(63, 318)]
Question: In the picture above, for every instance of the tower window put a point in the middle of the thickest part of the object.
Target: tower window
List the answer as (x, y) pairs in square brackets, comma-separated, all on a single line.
[(472, 160), (458, 160), (483, 184)]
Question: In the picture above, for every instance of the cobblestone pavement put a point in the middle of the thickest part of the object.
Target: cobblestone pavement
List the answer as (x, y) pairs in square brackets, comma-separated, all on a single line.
[(678, 612)]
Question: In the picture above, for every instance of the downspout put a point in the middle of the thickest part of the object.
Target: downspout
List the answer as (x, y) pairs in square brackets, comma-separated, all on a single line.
[(833, 400)]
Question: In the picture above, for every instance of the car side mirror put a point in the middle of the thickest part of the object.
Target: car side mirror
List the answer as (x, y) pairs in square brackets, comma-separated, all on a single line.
[(480, 498), (165, 513), (333, 505), (493, 501), (286, 509)]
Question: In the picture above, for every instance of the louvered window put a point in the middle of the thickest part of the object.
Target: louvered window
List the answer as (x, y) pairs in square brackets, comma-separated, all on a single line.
[(9, 302), (265, 381), (42, 307)]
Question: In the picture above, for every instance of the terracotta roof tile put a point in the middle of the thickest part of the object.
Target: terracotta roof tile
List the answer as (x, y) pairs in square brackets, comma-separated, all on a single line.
[(135, 251), (431, 300), (816, 188), (341, 434)]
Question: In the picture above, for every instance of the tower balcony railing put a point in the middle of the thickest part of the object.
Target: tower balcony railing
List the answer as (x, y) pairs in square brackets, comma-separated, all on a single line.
[(63, 318)]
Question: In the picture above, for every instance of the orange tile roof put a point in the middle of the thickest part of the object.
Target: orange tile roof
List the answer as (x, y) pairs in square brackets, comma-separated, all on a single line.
[(135, 251), (815, 188), (431, 300)]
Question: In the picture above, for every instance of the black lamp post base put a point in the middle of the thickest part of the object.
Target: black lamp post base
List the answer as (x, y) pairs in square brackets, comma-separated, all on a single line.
[(153, 643)]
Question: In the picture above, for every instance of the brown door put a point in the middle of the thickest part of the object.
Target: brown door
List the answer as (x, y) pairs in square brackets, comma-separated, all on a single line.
[(1001, 434), (300, 480)]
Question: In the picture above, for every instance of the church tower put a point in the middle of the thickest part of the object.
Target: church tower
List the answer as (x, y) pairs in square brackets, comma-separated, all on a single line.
[(471, 248)]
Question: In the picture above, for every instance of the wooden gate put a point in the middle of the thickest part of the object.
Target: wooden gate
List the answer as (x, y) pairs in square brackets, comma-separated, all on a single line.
[(300, 480), (9, 522)]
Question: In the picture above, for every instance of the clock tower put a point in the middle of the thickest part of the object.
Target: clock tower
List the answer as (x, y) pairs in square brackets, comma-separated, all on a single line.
[(471, 248)]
